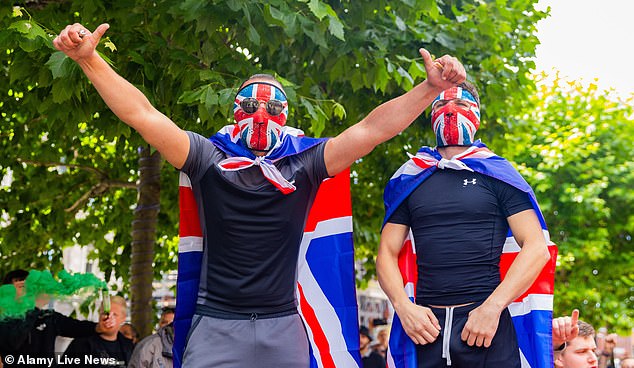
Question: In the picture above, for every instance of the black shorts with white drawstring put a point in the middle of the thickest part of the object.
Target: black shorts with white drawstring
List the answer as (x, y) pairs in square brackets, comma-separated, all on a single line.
[(448, 350)]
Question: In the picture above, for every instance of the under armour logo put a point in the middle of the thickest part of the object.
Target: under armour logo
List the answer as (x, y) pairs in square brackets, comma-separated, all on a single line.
[(465, 182), (41, 327)]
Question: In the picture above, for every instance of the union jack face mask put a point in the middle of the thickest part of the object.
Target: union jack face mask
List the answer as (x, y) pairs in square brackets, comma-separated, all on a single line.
[(455, 117), (260, 110)]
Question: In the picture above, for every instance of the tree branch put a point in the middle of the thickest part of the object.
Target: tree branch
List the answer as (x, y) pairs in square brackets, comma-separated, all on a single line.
[(99, 189), (73, 166)]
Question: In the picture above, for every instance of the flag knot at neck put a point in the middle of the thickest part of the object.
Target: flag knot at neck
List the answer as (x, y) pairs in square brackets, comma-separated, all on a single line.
[(269, 170)]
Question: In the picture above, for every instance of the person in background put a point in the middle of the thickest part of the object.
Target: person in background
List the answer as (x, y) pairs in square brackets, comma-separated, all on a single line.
[(167, 316), (578, 351), (16, 278), (382, 340), (155, 351), (130, 332), (110, 347), (606, 350), (627, 363), (369, 357), (36, 333)]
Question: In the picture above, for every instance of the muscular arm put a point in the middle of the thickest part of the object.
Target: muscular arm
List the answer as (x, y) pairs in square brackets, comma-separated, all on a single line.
[(125, 100), (419, 323), (483, 321), (392, 117)]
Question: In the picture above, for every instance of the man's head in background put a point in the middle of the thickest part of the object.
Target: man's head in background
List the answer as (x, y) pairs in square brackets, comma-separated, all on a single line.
[(579, 352), (16, 278), (110, 323), (167, 316)]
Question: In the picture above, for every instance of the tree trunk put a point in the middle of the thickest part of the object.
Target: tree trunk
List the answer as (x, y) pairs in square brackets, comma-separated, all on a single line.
[(143, 240)]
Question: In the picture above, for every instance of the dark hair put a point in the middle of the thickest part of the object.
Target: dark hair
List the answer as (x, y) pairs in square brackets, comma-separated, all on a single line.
[(19, 274), (471, 89), (363, 330), (167, 310)]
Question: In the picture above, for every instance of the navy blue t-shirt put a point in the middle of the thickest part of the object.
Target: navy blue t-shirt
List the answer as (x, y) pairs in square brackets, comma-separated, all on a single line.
[(251, 231), (458, 219)]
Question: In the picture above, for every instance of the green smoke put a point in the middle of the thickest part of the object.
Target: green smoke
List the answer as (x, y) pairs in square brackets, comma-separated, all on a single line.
[(42, 283)]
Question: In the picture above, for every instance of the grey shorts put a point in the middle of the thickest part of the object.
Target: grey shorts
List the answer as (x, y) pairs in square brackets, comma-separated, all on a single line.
[(225, 343)]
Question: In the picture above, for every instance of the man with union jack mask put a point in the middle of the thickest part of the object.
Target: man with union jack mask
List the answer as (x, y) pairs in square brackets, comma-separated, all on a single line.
[(253, 183), (452, 207), (455, 116), (260, 110)]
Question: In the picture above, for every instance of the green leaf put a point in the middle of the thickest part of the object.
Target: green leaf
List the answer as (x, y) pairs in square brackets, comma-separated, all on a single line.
[(319, 9), (336, 27), (60, 65), (253, 35), (339, 110)]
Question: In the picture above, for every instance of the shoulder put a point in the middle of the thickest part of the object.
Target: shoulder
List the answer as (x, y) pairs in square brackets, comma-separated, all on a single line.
[(124, 340), (147, 341)]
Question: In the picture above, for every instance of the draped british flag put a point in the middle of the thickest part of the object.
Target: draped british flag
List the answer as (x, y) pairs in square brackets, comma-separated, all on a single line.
[(326, 291), (326, 278), (531, 312)]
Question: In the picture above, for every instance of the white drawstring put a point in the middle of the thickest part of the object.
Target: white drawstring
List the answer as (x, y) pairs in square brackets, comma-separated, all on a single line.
[(446, 338)]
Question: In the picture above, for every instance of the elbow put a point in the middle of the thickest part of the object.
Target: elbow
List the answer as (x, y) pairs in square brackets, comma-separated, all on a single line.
[(544, 255)]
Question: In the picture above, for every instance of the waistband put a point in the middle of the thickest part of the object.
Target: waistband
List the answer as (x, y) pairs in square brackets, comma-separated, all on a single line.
[(457, 311), (216, 313)]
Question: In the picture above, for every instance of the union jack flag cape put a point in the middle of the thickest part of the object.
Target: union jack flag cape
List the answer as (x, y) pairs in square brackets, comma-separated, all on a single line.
[(325, 291), (531, 312)]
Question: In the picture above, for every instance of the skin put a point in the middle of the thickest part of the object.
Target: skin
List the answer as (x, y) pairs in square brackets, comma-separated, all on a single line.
[(109, 323), (166, 318), (133, 108), (419, 322), (126, 330), (364, 344), (627, 363), (580, 353), (565, 328)]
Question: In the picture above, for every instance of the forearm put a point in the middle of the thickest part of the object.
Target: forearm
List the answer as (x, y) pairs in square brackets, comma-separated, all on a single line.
[(390, 279), (395, 115), (125, 100), (384, 122), (133, 108)]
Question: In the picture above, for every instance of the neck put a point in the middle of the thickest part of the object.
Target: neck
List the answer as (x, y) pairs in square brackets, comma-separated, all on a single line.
[(109, 336), (450, 151), (364, 349)]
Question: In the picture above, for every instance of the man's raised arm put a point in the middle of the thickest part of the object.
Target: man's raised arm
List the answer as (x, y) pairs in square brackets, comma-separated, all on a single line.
[(125, 100), (392, 117)]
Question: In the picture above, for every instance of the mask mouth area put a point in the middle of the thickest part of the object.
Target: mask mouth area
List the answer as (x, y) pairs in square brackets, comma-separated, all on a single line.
[(258, 139), (260, 136)]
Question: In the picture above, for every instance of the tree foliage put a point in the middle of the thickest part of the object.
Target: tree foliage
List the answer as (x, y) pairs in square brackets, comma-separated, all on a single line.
[(574, 146), (72, 165)]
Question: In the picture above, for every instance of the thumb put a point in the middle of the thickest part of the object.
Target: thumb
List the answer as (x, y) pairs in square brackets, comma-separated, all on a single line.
[(98, 33), (427, 59)]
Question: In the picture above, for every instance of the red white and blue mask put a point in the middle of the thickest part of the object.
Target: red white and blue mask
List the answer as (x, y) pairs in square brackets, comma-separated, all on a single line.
[(455, 117), (266, 111)]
